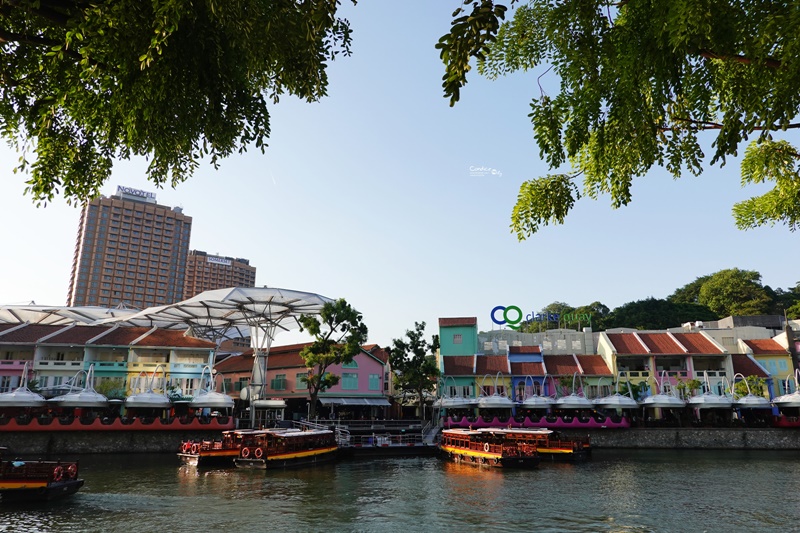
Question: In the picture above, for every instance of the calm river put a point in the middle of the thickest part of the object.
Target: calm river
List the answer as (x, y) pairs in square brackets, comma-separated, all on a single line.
[(630, 491)]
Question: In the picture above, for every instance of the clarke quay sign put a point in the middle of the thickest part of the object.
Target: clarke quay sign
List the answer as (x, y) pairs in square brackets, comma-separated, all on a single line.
[(513, 315)]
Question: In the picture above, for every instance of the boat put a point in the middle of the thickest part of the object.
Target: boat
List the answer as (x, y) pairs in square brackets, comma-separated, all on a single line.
[(212, 452), (23, 480), (267, 449), (490, 447), (551, 445)]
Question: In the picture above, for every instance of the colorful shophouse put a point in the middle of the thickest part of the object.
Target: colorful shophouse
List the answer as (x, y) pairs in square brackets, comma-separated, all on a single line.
[(129, 355), (361, 392)]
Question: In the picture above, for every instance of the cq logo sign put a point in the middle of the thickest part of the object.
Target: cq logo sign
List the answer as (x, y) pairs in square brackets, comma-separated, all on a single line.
[(512, 315)]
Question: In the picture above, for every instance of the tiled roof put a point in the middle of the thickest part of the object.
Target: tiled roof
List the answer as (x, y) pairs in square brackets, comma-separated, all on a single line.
[(4, 327), (121, 336), (235, 363), (527, 369), (174, 338), (524, 349), (745, 366), (491, 364), (766, 347), (593, 365), (697, 343), (458, 365), (379, 353), (560, 365), (76, 335), (29, 334), (626, 344), (660, 344), (458, 321)]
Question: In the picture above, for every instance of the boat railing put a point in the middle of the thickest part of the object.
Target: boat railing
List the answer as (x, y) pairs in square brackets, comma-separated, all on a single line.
[(385, 440)]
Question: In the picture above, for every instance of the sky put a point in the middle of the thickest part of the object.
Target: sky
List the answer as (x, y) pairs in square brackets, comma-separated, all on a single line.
[(369, 195)]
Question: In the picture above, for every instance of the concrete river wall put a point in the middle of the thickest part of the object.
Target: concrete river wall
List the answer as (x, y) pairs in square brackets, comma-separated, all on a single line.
[(67, 443)]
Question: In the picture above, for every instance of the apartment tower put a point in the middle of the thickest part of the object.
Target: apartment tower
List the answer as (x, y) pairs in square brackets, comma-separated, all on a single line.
[(205, 272), (130, 250)]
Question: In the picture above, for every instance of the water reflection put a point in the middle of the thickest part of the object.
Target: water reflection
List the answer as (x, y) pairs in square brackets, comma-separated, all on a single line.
[(614, 492)]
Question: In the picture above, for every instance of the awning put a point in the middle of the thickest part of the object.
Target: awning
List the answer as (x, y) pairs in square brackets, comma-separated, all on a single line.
[(378, 402)]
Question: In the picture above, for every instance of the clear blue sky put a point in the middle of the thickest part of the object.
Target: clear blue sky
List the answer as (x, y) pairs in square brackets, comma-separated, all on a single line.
[(368, 195)]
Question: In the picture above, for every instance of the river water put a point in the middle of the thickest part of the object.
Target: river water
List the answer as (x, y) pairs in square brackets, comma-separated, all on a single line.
[(616, 491)]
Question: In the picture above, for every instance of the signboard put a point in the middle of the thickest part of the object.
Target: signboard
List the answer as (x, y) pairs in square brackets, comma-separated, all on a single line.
[(219, 260), (513, 315), (136, 193)]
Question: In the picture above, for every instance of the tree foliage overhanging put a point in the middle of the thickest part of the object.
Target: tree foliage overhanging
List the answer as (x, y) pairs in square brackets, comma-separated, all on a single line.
[(639, 84), (84, 83)]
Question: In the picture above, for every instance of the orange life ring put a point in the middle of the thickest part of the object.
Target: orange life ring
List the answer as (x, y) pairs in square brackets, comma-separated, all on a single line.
[(186, 447), (486, 447), (72, 471), (245, 453), (58, 473), (259, 453), (195, 448)]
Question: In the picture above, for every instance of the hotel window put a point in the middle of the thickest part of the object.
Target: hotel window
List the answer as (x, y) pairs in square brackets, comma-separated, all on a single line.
[(349, 381), (299, 384), (457, 338), (374, 382)]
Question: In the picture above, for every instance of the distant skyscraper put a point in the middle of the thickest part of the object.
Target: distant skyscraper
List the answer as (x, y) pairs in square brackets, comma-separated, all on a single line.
[(205, 272), (130, 250)]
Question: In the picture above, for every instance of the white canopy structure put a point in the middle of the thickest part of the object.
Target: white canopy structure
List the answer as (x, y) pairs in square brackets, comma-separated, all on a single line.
[(791, 399), (85, 397), (208, 397), (148, 398), (709, 400), (750, 400), (22, 396), (617, 400), (662, 399), (574, 400), (60, 315)]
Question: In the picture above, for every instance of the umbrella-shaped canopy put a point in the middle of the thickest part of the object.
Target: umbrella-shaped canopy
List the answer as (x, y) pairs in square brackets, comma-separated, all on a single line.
[(456, 402), (537, 402), (495, 401), (209, 397), (791, 399), (709, 400), (22, 396), (664, 401), (616, 401), (60, 315), (574, 401), (85, 397), (148, 398), (232, 312), (750, 400)]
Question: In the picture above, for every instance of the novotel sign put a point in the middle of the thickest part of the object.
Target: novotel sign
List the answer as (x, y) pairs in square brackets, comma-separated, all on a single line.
[(130, 191), (512, 315), (218, 260)]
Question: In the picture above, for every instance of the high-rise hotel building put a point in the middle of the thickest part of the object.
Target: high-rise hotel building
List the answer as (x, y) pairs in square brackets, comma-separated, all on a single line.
[(206, 272), (130, 250)]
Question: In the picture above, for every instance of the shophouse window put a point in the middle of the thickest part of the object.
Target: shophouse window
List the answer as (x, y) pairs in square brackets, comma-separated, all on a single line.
[(349, 381), (299, 383), (374, 382), (351, 364), (279, 383), (457, 338)]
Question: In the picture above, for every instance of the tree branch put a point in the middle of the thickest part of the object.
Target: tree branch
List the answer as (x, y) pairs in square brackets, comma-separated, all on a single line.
[(708, 54), (716, 126)]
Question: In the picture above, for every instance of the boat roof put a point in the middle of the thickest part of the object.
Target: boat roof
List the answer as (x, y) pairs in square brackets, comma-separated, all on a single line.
[(502, 431), (289, 432)]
